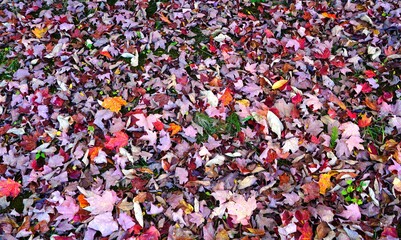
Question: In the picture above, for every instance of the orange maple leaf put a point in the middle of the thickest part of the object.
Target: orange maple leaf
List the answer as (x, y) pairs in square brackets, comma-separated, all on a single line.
[(114, 103), (93, 152), (364, 121), (9, 188), (226, 98), (174, 129), (82, 201), (324, 182)]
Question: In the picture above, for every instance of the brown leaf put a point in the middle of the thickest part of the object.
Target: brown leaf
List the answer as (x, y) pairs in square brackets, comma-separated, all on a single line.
[(322, 230), (28, 142)]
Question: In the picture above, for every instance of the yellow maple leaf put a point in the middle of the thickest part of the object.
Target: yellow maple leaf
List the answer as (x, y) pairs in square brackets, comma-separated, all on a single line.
[(324, 182), (39, 32), (114, 103)]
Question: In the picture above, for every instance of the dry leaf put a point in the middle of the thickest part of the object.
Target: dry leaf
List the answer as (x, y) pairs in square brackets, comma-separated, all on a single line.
[(114, 104), (279, 84), (226, 98), (174, 128), (39, 32)]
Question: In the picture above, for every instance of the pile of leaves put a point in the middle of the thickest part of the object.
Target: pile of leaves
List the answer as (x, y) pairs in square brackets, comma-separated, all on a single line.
[(196, 119)]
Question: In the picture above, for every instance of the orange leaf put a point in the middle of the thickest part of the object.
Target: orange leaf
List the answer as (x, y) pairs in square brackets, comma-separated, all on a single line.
[(164, 18), (364, 121), (106, 54), (9, 188), (174, 128), (279, 84), (114, 103), (93, 152), (329, 15), (82, 201), (39, 32), (226, 98), (324, 182)]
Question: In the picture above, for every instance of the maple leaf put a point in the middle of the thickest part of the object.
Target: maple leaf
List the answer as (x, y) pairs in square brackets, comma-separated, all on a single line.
[(9, 188), (39, 32), (101, 203), (119, 140), (365, 121), (226, 98), (114, 104), (352, 213), (104, 223), (354, 142), (82, 201), (306, 231), (174, 128), (349, 129), (311, 190), (324, 182), (241, 209), (151, 234), (314, 101)]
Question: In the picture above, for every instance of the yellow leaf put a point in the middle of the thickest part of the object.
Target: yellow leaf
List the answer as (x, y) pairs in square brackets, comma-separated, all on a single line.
[(324, 182), (187, 207), (174, 128), (279, 84), (244, 102), (114, 103), (39, 32)]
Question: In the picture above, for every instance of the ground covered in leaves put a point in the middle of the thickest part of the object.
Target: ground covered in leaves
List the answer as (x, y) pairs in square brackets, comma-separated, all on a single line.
[(200, 119)]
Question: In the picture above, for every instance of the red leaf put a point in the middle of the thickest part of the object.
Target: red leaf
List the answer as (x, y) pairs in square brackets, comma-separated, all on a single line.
[(119, 140), (306, 232), (151, 234), (296, 99), (9, 188), (366, 88), (158, 125), (311, 190), (324, 55), (370, 73), (351, 114), (106, 54)]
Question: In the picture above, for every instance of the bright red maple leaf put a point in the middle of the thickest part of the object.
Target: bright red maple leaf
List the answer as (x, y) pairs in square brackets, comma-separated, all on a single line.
[(9, 188)]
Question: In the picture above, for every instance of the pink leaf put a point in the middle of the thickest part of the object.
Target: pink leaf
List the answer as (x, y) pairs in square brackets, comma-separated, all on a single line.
[(352, 213), (104, 223)]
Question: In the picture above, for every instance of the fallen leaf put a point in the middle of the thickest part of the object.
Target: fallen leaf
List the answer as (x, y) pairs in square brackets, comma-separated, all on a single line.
[(104, 223), (9, 188), (226, 98), (119, 140), (364, 121), (352, 213), (329, 15), (39, 32), (82, 201), (138, 213), (114, 104), (279, 84), (324, 182), (275, 123), (174, 128)]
